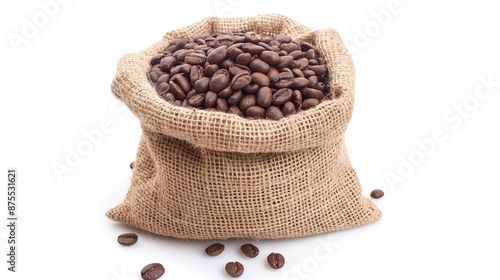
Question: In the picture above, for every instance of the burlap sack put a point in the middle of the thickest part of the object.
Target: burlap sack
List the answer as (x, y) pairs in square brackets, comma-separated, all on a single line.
[(212, 175)]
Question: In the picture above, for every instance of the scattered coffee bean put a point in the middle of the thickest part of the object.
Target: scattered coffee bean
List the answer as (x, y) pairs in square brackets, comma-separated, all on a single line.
[(152, 271), (250, 250), (276, 260), (132, 165), (215, 249), (377, 193), (127, 239), (241, 73), (234, 269)]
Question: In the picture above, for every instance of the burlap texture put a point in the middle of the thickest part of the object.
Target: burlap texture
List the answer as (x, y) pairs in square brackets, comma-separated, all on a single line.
[(212, 175)]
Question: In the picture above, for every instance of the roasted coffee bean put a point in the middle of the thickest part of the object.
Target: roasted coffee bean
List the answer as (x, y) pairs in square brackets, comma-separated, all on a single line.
[(255, 112), (236, 69), (282, 96), (283, 80), (313, 93), (252, 48), (257, 65), (226, 92), (235, 110), (296, 54), (235, 98), (233, 53), (234, 269), (313, 80), (211, 69), (225, 40), (215, 249), (219, 81), (217, 55), (131, 165), (377, 193), (311, 54), (288, 108), (176, 90), (240, 81), (222, 104), (162, 88), (250, 250), (196, 73), (251, 88), (252, 37), (300, 83), (202, 84), (305, 46), (247, 101), (260, 79), (167, 62), (156, 58), (197, 100), (190, 94), (308, 73), (181, 56), (184, 69), (285, 61), (309, 103), (289, 47), (273, 72), (243, 59), (195, 58), (210, 99), (284, 39), (226, 63), (313, 62), (178, 102), (297, 99), (276, 260), (152, 271), (274, 113), (154, 76), (127, 239), (170, 97), (270, 57), (266, 46), (165, 78), (318, 69), (301, 63), (297, 73), (264, 97), (183, 82), (319, 86)]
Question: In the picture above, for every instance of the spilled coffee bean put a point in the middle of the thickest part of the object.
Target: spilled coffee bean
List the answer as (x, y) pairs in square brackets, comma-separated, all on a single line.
[(377, 193), (152, 271), (215, 249), (250, 250), (127, 239), (276, 260), (234, 269)]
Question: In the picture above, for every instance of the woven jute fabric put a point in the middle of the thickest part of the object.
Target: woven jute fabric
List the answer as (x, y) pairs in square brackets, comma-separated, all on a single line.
[(211, 175)]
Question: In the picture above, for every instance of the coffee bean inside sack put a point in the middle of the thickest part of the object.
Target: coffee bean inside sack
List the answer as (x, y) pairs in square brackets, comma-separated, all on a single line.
[(243, 73)]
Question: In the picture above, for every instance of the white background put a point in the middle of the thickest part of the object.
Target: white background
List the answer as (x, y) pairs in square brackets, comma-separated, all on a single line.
[(414, 70)]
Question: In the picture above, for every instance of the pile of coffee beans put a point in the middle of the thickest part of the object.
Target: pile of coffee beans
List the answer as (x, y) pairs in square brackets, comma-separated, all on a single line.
[(241, 73), (236, 269)]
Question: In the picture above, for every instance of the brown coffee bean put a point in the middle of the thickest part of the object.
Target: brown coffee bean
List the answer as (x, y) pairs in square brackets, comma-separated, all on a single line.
[(176, 90), (236, 69), (156, 59), (234, 269), (226, 92), (297, 73), (211, 69), (196, 73), (313, 93), (247, 101), (182, 54), (260, 79), (255, 112), (289, 47), (273, 72), (154, 76), (252, 48), (276, 260), (313, 62), (219, 81), (225, 40), (305, 46), (235, 98), (240, 81), (152, 271), (217, 55), (309, 103), (300, 82), (167, 62), (313, 80), (165, 78), (318, 69), (297, 99), (282, 96), (182, 81), (308, 73), (319, 86), (197, 100), (301, 63), (131, 165), (377, 193), (195, 58), (233, 53), (184, 69), (162, 88), (190, 94), (283, 39), (226, 63), (296, 54), (243, 59), (250, 250), (235, 110), (215, 249), (128, 239), (264, 97), (178, 102), (266, 46), (274, 113), (222, 105), (311, 54), (283, 80), (270, 57), (210, 99), (288, 108), (170, 97), (201, 85), (252, 37), (257, 65), (285, 61)]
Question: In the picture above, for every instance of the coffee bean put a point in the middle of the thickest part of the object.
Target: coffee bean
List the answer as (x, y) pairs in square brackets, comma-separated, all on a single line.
[(252, 48), (297, 73), (226, 92), (264, 97), (236, 69), (165, 78), (296, 54), (301, 63), (156, 59), (289, 47), (201, 85), (318, 69), (313, 93), (195, 58), (176, 90), (182, 54), (211, 69), (131, 165), (233, 53), (282, 96), (255, 112), (127, 239), (217, 55), (270, 57), (273, 72), (377, 193), (247, 101), (226, 63), (191, 93), (243, 59), (235, 98), (219, 81), (274, 113), (170, 97), (215, 249), (252, 37), (184, 69), (167, 62), (276, 260), (300, 82), (182, 81), (257, 65), (288, 108), (285, 61), (284, 39), (162, 88), (309, 103), (251, 88), (240, 81), (152, 271), (197, 100), (235, 110), (311, 54), (222, 105), (308, 73), (266, 46), (250, 250), (234, 269), (210, 99)]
